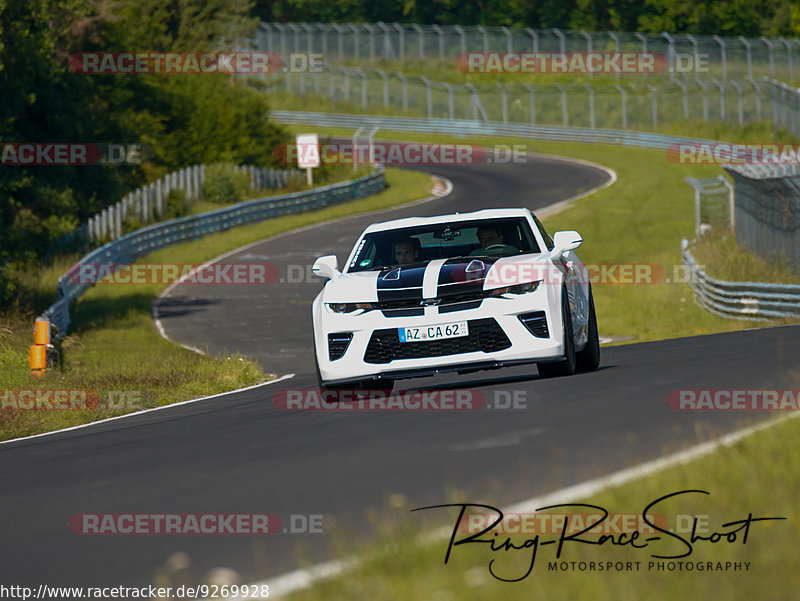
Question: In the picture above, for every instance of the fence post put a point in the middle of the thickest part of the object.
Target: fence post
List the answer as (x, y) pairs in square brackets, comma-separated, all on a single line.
[(564, 113), (561, 38), (705, 97), (440, 33), (531, 101), (788, 58), (449, 89), (403, 81), (356, 49), (591, 105), (739, 93), (485, 37), (534, 38), (758, 98), (746, 44), (644, 46), (614, 37), (655, 104), (723, 55), (509, 40), (588, 47), (771, 56), (685, 99), (401, 40), (460, 31), (624, 107), (385, 87), (670, 55), (504, 100), (721, 98), (421, 35), (428, 94)]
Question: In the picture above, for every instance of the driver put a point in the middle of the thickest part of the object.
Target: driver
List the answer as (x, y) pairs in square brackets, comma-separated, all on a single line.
[(489, 235), (405, 251)]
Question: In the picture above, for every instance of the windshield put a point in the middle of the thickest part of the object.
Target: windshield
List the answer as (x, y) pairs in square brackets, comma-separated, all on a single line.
[(407, 246)]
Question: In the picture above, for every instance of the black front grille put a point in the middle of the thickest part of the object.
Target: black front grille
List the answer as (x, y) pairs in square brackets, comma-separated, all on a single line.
[(337, 345), (484, 335), (536, 323)]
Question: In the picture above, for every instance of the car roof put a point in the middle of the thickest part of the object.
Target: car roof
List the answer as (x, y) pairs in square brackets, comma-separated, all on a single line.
[(417, 221)]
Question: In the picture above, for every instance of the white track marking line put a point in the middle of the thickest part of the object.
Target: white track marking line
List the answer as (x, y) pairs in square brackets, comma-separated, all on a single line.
[(151, 409)]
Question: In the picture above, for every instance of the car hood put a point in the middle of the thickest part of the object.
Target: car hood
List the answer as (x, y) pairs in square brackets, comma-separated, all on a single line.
[(437, 278)]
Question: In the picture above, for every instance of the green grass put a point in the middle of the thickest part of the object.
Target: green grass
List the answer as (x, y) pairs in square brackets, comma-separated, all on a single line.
[(641, 219), (725, 259), (113, 344), (758, 474)]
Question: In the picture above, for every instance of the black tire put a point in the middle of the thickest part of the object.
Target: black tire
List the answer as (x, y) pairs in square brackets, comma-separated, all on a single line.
[(589, 358), (566, 366)]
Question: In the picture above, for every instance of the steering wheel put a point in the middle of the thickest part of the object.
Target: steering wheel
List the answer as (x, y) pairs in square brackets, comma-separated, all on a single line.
[(497, 247)]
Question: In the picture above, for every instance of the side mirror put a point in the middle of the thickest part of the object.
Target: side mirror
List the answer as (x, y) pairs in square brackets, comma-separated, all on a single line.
[(564, 241), (326, 267)]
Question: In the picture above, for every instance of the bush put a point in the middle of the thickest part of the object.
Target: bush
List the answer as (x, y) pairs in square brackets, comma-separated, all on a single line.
[(223, 185)]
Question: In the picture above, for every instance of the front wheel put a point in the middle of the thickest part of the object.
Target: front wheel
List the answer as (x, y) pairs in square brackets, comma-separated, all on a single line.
[(566, 366), (589, 358)]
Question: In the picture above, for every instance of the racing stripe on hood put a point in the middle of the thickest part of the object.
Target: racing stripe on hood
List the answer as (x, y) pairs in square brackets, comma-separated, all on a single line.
[(463, 275), (400, 283), (431, 278)]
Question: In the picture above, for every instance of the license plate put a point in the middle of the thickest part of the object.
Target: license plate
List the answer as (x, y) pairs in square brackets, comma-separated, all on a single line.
[(437, 332)]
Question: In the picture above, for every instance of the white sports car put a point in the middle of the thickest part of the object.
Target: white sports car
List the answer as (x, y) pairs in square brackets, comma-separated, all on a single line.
[(461, 292)]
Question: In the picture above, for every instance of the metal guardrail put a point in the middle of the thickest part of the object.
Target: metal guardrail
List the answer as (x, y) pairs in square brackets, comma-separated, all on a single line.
[(131, 246), (742, 300), (464, 127)]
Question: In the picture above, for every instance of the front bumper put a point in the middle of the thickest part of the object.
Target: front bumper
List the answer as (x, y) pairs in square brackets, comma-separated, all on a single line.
[(509, 342)]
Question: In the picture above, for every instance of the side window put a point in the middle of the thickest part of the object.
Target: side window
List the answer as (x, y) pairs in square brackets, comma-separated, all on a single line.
[(547, 239)]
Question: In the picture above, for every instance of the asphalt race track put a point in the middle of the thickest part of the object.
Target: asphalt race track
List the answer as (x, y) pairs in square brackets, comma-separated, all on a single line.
[(238, 453)]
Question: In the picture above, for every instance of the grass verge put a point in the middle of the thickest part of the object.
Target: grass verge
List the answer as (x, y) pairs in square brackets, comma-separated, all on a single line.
[(641, 219), (113, 347), (757, 475)]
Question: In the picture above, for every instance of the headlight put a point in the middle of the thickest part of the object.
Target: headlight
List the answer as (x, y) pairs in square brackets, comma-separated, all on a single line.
[(525, 288), (348, 307)]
